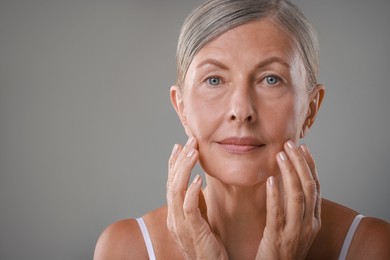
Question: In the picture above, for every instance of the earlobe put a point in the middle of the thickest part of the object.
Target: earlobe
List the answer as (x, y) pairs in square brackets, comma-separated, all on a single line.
[(316, 97)]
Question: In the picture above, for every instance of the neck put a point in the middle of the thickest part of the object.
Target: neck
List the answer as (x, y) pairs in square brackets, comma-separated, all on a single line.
[(236, 214)]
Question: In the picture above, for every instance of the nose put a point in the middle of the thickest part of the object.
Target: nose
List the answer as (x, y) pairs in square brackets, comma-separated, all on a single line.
[(242, 107)]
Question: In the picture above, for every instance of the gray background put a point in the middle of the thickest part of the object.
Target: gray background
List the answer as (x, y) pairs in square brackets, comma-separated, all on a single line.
[(86, 125)]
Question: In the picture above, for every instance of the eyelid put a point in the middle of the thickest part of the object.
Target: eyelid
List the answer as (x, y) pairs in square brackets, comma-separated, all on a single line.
[(280, 79)]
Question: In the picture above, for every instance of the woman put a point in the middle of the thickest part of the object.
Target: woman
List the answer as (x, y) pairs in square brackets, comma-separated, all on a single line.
[(246, 92)]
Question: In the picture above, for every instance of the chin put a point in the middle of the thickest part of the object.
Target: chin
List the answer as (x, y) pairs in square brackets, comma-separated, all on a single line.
[(242, 174)]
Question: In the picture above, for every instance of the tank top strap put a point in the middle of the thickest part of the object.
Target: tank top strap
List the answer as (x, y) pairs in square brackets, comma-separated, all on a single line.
[(148, 241), (349, 236)]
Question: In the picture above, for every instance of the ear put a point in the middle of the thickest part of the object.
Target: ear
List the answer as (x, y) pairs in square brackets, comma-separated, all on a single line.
[(178, 105), (315, 98)]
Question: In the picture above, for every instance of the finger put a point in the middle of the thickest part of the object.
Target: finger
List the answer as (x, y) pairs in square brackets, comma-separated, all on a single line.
[(176, 194), (171, 163), (184, 164), (294, 196), (171, 172), (171, 221), (311, 163), (203, 207), (306, 179), (300, 164), (275, 213), (191, 204), (313, 169)]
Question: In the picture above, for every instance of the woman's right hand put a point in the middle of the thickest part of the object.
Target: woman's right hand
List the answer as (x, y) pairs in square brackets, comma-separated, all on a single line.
[(185, 221)]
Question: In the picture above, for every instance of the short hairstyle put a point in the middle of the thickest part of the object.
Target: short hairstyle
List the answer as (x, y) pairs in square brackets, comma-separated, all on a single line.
[(214, 17)]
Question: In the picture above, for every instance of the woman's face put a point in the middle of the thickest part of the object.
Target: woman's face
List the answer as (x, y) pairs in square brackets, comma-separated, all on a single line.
[(244, 96)]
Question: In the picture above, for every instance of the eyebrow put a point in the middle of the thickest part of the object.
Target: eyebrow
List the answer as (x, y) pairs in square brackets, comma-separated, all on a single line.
[(263, 63), (212, 62)]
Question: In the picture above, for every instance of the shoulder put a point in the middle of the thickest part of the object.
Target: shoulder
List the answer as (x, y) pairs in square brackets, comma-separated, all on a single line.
[(336, 220), (124, 240), (121, 240), (371, 240)]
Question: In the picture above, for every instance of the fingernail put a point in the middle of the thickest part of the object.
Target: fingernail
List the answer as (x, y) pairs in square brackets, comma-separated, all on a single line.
[(304, 148), (271, 181), (191, 152), (282, 155), (196, 179), (190, 140), (291, 145)]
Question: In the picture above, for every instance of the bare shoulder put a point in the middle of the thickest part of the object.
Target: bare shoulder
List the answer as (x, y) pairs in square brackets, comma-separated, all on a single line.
[(121, 240), (371, 240), (124, 240), (336, 220)]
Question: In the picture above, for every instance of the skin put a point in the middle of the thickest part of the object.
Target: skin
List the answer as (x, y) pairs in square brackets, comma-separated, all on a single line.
[(262, 199)]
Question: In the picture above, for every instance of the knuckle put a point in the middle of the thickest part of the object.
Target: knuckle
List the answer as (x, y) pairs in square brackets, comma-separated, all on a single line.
[(312, 229), (298, 197), (318, 201), (188, 209), (319, 224), (176, 192), (300, 159), (289, 168), (171, 225), (309, 229), (170, 162), (318, 185), (311, 186), (169, 185), (277, 214)]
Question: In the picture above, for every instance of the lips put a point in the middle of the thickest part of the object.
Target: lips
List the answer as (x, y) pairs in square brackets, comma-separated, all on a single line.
[(240, 144)]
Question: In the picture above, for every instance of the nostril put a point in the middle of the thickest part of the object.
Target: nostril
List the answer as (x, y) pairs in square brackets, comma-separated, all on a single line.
[(235, 118)]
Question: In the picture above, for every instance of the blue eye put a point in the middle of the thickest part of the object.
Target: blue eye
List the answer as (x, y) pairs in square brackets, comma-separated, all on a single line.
[(214, 81), (272, 80)]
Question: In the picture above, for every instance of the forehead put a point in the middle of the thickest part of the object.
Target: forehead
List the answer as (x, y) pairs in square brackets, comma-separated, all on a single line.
[(255, 40)]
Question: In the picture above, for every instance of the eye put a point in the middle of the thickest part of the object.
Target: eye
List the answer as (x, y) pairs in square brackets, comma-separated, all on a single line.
[(272, 80), (213, 81)]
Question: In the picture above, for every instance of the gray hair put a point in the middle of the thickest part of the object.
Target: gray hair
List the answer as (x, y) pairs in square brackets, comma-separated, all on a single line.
[(214, 17)]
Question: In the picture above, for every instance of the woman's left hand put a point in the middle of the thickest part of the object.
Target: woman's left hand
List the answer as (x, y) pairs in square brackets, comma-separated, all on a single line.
[(291, 228)]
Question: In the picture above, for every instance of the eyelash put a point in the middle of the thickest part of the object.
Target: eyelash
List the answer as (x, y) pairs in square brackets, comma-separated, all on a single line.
[(277, 78)]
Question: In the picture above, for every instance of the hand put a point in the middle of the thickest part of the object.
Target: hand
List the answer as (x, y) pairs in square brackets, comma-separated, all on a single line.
[(185, 221), (291, 229)]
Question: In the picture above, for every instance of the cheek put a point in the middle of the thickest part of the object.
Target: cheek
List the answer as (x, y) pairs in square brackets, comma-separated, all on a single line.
[(283, 120), (296, 118), (203, 118)]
